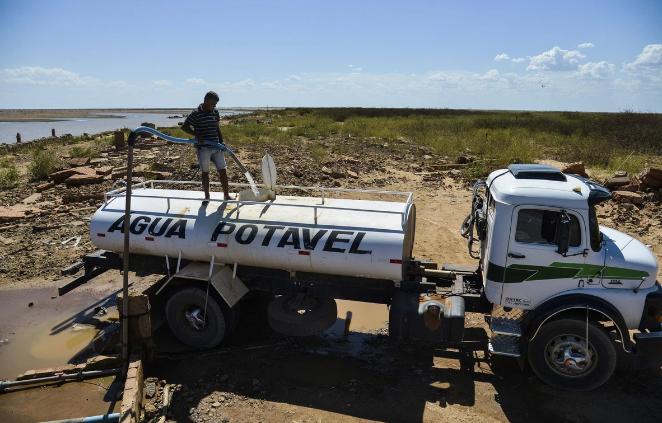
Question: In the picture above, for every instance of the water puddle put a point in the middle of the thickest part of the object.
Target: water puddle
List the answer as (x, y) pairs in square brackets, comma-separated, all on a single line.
[(41, 330), (368, 321)]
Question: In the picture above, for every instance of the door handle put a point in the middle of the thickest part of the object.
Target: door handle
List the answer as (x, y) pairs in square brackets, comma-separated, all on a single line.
[(516, 255)]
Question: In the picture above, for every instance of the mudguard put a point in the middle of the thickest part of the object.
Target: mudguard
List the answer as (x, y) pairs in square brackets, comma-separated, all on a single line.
[(580, 303)]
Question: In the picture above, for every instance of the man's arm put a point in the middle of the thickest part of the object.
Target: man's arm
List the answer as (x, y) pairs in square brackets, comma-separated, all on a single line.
[(186, 127)]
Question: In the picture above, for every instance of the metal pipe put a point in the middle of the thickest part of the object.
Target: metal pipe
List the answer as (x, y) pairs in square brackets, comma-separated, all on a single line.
[(125, 257), (434, 273), (65, 377), (113, 417)]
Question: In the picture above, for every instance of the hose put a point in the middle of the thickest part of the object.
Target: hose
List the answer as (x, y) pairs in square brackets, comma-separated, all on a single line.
[(193, 141)]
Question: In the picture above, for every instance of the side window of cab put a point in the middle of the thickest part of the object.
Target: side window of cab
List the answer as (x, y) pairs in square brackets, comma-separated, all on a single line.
[(538, 226)]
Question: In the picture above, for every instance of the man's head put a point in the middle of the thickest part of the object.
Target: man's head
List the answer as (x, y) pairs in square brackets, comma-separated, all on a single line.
[(211, 99)]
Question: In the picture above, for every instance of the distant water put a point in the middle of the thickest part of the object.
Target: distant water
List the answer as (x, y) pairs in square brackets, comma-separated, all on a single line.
[(78, 126)]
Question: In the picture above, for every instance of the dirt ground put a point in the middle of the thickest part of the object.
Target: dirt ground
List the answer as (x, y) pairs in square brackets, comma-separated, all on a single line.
[(259, 376)]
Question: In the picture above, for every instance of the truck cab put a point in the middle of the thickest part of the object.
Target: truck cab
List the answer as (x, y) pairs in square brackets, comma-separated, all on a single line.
[(554, 276)]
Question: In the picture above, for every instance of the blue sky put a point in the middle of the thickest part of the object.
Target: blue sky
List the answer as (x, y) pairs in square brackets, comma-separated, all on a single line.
[(564, 55)]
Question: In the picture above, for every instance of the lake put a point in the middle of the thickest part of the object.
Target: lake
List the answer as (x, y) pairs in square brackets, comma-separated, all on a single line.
[(78, 126)]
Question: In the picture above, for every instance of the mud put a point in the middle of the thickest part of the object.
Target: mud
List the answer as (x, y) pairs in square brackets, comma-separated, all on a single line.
[(51, 402)]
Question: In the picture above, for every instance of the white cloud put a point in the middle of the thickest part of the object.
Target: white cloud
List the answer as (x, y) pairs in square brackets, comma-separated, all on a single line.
[(355, 68), (599, 70), (555, 59), (162, 82), (518, 59), (586, 45), (195, 81), (37, 75), (649, 58), (501, 57)]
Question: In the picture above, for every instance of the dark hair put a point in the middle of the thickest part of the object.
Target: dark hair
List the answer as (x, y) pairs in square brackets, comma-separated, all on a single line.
[(211, 95)]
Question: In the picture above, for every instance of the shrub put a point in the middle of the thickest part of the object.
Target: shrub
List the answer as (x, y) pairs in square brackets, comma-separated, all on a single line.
[(80, 151), (43, 164), (8, 173)]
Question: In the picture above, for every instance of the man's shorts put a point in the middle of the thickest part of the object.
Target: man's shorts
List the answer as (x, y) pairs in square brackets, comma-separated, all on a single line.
[(207, 154)]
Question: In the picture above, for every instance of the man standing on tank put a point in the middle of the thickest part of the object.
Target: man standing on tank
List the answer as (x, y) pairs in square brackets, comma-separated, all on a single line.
[(204, 124)]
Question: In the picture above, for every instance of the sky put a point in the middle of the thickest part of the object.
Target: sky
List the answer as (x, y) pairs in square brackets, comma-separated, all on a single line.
[(561, 55)]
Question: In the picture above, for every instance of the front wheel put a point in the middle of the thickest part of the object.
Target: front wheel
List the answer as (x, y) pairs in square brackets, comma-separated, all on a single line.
[(560, 356)]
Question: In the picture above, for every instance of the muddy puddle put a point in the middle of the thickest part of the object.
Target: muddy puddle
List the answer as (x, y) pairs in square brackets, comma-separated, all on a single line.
[(45, 403), (365, 317), (41, 330)]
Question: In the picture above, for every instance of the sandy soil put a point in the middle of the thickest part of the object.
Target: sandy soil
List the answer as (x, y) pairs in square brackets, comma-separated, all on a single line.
[(329, 378)]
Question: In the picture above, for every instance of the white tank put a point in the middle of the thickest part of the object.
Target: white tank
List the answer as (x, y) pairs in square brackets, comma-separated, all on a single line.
[(336, 236)]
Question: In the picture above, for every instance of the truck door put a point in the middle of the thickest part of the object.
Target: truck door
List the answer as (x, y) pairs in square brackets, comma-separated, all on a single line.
[(534, 269)]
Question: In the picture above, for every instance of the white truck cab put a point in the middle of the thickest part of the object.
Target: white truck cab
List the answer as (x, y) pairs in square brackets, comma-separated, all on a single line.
[(544, 259)]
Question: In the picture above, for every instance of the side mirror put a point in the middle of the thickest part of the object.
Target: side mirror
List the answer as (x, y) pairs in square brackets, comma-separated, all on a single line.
[(563, 233)]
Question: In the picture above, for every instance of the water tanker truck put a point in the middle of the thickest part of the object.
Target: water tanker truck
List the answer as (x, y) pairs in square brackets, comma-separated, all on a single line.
[(562, 294)]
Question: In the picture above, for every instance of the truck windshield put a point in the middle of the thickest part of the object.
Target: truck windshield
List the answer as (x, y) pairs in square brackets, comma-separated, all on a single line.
[(594, 229)]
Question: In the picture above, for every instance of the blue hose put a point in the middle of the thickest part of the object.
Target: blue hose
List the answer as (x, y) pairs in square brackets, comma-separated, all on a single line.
[(146, 129)]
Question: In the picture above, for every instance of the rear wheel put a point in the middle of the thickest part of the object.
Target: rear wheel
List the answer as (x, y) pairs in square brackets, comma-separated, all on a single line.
[(192, 323), (560, 356), (301, 315)]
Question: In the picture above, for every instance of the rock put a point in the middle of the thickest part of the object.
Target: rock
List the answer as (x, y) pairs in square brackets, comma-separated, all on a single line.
[(104, 170), (162, 167), (632, 187), (427, 157), (85, 177), (628, 197), (618, 181), (620, 174), (576, 168), (150, 408), (148, 124), (8, 214), (215, 404), (32, 198), (150, 389), (78, 161), (61, 175), (352, 174), (464, 159), (158, 175), (6, 241), (44, 186), (651, 178)]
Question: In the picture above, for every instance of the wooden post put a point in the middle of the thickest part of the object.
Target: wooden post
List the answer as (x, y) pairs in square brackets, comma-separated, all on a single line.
[(118, 141), (18, 138), (348, 322), (53, 132)]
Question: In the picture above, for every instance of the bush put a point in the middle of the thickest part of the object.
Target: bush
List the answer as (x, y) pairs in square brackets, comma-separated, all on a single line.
[(80, 151), (43, 164), (8, 173)]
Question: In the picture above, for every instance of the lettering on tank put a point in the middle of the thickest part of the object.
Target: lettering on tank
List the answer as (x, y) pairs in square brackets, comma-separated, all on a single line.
[(156, 227), (292, 237), (333, 241)]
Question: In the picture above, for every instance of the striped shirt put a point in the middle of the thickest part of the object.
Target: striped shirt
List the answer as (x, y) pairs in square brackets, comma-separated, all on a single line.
[(205, 125)]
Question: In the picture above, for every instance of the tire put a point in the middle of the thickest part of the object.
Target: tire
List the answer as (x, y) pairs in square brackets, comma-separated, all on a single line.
[(558, 339), (217, 322), (296, 315)]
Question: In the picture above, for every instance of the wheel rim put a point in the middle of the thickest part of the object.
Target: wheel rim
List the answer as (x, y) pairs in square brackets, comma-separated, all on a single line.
[(301, 305), (569, 355), (195, 318)]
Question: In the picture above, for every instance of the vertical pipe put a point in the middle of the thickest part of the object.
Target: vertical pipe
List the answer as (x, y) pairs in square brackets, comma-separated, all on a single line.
[(125, 257)]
